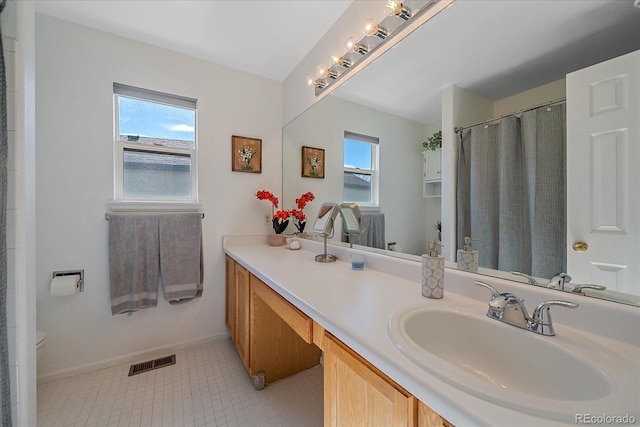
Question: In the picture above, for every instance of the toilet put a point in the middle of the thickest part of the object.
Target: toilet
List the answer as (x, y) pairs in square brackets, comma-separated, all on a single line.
[(41, 339)]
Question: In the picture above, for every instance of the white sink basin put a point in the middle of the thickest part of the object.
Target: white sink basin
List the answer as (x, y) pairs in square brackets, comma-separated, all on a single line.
[(554, 377)]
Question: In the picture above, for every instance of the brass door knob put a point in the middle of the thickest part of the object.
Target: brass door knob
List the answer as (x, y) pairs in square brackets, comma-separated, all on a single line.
[(580, 246)]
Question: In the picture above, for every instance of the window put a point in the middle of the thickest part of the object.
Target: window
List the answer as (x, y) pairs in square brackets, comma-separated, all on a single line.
[(360, 169), (155, 146)]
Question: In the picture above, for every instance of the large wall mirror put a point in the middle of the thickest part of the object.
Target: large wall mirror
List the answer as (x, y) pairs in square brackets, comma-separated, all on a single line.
[(501, 58)]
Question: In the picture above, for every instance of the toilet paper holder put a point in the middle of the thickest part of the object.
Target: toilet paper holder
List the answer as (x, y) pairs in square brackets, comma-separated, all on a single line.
[(71, 273)]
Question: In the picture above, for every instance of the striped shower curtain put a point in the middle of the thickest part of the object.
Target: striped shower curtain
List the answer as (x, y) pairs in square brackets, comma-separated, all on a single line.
[(511, 192)]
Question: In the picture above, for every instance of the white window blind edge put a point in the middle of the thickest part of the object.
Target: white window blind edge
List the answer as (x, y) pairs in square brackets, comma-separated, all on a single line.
[(359, 137), (154, 96)]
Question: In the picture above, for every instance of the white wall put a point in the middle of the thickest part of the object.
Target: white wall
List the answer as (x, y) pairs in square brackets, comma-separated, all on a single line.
[(19, 51), (13, 210), (76, 68), (400, 164)]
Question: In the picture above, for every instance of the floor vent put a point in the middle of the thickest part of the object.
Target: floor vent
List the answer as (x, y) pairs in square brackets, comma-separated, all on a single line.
[(139, 368)]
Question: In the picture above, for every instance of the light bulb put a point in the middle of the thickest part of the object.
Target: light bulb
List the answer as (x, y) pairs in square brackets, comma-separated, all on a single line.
[(370, 27), (310, 80), (400, 10), (322, 71), (350, 43), (341, 61)]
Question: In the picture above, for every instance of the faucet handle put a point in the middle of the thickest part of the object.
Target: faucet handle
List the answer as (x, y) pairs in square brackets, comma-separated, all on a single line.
[(578, 288), (530, 279), (541, 317), (494, 291), (558, 281)]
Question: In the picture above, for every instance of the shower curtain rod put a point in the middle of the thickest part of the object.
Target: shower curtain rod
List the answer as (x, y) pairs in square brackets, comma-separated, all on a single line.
[(546, 104)]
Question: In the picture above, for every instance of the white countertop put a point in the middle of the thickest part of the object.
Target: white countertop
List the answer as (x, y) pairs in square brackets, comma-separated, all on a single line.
[(355, 306)]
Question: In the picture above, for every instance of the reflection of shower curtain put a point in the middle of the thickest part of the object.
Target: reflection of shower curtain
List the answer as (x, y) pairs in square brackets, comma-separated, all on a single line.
[(5, 390), (511, 192)]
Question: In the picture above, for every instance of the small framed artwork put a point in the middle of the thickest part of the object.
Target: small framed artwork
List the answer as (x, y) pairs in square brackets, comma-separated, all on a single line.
[(246, 154), (312, 162)]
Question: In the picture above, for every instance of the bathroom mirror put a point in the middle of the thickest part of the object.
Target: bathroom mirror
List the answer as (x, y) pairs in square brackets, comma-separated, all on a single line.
[(398, 98)]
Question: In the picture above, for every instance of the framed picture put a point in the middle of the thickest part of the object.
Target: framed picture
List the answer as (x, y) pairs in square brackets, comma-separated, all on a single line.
[(246, 154), (312, 162)]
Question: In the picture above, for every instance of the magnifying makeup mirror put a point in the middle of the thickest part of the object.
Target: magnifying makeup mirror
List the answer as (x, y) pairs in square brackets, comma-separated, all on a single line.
[(323, 225), (352, 224)]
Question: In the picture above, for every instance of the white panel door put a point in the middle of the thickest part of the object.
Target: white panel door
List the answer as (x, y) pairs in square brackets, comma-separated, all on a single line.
[(603, 173)]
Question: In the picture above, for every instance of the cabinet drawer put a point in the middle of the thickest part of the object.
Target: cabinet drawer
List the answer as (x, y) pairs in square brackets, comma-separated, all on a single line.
[(297, 320)]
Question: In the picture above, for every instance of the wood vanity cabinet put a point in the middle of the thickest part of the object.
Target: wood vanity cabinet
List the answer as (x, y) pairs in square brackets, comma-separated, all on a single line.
[(281, 336), (274, 337), (427, 417), (270, 334), (356, 393), (237, 307)]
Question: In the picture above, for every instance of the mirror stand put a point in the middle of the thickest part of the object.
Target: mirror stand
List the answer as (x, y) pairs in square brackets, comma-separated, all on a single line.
[(325, 257)]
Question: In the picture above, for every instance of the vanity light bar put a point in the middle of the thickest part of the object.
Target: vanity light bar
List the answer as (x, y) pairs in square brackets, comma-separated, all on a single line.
[(364, 52)]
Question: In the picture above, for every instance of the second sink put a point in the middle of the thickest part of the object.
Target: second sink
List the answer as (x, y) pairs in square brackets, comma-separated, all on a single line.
[(556, 377)]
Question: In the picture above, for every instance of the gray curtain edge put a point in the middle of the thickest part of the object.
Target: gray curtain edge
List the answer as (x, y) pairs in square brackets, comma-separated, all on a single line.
[(5, 391)]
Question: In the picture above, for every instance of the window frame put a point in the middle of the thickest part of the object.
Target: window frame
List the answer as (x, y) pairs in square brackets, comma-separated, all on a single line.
[(121, 146), (373, 173)]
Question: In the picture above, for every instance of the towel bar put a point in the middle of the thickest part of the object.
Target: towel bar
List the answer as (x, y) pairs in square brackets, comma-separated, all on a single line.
[(106, 216)]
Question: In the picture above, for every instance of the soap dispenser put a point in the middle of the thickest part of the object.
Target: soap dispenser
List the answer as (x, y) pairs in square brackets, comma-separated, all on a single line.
[(433, 272), (467, 257)]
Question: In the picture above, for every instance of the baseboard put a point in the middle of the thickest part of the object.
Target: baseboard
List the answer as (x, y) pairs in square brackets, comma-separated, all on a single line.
[(126, 359)]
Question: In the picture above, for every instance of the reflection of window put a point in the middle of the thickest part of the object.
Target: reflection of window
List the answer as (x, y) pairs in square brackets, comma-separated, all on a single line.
[(360, 169), (155, 143)]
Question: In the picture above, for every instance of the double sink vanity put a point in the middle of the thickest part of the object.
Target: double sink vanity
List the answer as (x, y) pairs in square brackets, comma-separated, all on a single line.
[(392, 357)]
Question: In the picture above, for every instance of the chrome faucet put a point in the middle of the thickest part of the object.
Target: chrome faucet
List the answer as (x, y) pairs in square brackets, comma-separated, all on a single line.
[(578, 288), (558, 281), (510, 309), (530, 279)]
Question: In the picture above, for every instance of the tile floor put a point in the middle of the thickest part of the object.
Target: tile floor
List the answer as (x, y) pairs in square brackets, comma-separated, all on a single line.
[(207, 386)]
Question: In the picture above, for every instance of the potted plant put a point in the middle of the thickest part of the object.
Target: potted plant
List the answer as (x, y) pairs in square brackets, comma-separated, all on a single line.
[(434, 141), (280, 218)]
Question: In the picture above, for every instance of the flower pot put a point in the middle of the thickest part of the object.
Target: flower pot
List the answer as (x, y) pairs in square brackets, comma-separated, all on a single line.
[(275, 239)]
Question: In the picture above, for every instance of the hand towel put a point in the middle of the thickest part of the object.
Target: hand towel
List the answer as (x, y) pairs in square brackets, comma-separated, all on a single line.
[(181, 260), (134, 262), (373, 234)]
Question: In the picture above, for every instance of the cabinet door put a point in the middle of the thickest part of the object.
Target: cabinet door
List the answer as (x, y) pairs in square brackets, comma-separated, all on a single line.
[(242, 313), (432, 168), (357, 394), (427, 417), (230, 298)]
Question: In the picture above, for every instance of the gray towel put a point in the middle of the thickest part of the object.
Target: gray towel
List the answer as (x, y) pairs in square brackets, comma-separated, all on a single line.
[(134, 262), (181, 261), (373, 234)]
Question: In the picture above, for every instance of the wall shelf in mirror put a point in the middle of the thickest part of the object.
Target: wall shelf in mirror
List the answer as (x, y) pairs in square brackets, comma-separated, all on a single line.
[(432, 173), (432, 190)]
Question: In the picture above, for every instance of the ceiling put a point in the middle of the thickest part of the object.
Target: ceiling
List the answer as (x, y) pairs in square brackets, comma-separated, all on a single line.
[(495, 48), (267, 38)]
